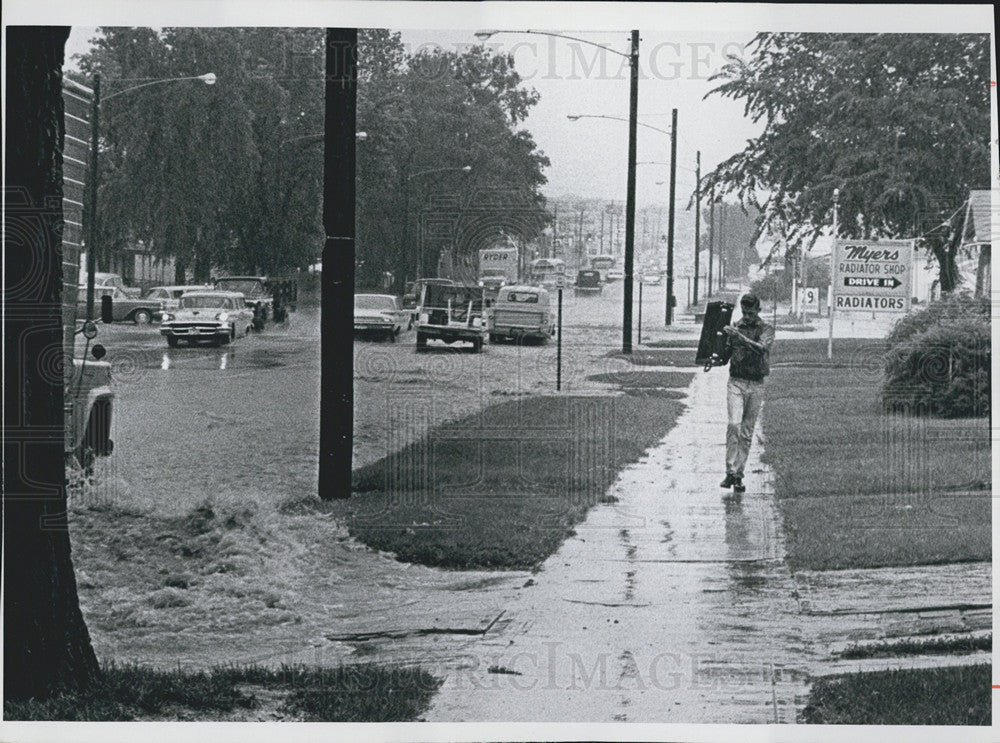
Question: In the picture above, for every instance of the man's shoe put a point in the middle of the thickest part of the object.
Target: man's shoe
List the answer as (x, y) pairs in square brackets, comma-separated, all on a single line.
[(738, 486), (729, 481)]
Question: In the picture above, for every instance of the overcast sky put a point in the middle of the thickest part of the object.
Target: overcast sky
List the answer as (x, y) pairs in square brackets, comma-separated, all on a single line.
[(589, 156), (681, 46)]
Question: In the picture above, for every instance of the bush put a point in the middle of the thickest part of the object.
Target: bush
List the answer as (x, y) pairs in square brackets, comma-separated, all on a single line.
[(947, 309), (941, 370)]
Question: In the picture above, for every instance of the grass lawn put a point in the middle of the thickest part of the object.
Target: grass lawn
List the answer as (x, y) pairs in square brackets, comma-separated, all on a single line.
[(363, 693), (957, 695), (862, 488), (503, 488)]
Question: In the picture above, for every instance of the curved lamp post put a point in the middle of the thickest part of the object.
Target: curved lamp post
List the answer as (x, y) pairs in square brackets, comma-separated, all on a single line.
[(208, 78), (633, 60), (672, 133), (406, 214)]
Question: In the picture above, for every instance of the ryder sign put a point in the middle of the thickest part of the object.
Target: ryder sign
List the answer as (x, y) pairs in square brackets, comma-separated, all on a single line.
[(872, 275)]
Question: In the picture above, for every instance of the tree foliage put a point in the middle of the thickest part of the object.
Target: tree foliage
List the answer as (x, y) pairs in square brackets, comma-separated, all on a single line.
[(427, 116), (212, 176), (231, 176), (900, 123)]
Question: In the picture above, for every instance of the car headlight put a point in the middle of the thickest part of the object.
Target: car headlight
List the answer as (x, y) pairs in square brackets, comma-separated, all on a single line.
[(167, 316), (223, 316)]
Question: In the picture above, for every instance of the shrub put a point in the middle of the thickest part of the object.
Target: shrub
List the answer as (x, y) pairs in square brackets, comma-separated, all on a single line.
[(948, 309), (941, 370)]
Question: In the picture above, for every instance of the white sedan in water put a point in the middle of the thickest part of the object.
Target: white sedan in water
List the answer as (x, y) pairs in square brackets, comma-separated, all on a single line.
[(379, 314), (214, 316)]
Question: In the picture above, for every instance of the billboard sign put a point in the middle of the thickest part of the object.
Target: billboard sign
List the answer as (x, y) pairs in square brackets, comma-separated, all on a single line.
[(872, 275)]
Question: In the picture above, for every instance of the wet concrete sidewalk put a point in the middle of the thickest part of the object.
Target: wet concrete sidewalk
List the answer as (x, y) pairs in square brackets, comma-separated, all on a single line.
[(672, 605)]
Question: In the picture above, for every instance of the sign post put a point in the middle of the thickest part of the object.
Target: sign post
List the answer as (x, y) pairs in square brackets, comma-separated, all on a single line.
[(870, 276)]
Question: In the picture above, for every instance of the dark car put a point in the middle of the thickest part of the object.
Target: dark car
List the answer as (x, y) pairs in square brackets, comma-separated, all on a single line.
[(588, 281), (255, 293)]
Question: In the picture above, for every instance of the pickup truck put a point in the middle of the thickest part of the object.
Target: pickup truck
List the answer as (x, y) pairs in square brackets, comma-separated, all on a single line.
[(450, 314), (521, 312)]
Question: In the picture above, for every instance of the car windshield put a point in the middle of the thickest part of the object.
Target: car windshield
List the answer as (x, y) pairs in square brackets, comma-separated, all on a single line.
[(206, 302), (247, 286), (373, 302), (523, 297), (439, 296)]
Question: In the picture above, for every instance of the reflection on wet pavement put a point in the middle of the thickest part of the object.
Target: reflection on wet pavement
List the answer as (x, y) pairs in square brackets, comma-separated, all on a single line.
[(672, 605)]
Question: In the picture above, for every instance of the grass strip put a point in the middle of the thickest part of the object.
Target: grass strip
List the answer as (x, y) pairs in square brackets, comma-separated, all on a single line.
[(859, 487), (504, 487), (958, 695), (918, 647), (362, 693)]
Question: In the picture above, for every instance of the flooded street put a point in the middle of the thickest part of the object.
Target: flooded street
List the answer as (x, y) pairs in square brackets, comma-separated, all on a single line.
[(241, 423)]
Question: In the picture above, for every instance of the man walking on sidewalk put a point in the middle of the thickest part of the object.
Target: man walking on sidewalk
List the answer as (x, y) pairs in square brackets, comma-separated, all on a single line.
[(748, 347)]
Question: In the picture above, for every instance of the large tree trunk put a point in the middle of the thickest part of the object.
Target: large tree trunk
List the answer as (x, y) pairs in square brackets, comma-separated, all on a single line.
[(46, 643)]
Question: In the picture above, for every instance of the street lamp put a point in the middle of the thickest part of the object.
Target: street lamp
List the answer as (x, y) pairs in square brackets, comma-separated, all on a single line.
[(208, 78), (672, 133), (577, 117), (633, 60), (406, 217)]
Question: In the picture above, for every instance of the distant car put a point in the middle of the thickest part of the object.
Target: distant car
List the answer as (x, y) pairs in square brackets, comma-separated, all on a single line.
[(588, 281), (651, 278), (102, 279), (140, 311), (169, 296), (615, 274), (379, 314), (209, 315), (255, 292)]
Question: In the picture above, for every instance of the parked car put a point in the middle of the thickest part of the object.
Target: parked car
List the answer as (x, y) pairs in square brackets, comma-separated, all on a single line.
[(411, 298), (451, 313), (216, 316), (588, 281), (652, 279), (103, 279), (140, 311), (615, 274), (521, 312), (169, 296), (379, 314), (255, 293)]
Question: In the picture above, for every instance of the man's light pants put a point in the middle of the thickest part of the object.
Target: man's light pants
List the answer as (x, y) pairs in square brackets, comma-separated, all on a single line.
[(743, 401)]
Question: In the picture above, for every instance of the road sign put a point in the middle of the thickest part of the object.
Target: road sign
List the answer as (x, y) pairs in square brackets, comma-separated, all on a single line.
[(872, 275), (810, 299)]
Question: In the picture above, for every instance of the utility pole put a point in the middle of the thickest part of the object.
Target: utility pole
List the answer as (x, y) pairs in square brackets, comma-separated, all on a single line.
[(601, 250), (697, 221), (711, 234), (555, 228), (633, 115), (670, 218), (92, 201), (723, 283)]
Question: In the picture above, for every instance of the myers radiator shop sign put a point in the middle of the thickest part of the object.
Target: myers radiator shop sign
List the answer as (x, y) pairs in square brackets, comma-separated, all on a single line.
[(872, 276)]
